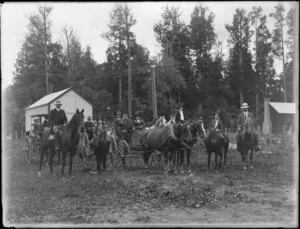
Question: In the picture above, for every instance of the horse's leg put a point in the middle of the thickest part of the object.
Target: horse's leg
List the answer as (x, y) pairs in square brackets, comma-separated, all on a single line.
[(175, 155), (42, 152), (216, 159), (104, 162), (244, 157), (52, 153), (188, 160), (63, 162), (181, 160), (208, 161), (251, 155), (71, 162), (221, 157), (166, 158)]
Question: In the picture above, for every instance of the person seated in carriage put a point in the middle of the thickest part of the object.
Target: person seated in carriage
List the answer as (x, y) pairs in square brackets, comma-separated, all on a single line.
[(126, 127), (138, 121)]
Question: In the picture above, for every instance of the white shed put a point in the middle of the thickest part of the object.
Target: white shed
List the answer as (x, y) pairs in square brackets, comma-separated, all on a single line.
[(70, 102)]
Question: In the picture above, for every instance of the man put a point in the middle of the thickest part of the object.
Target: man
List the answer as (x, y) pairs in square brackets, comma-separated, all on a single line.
[(89, 126), (117, 123), (126, 127), (203, 135), (46, 121), (179, 115), (240, 124), (217, 124), (57, 119), (138, 121)]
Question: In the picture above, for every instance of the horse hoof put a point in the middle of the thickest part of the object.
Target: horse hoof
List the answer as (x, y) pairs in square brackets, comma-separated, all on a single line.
[(39, 174)]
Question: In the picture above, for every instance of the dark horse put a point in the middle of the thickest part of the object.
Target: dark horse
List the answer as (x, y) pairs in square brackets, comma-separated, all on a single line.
[(197, 132), (247, 142), (68, 139), (101, 149), (215, 144), (166, 140)]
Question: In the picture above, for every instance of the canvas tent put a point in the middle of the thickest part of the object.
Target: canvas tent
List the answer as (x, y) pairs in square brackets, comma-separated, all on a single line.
[(70, 102)]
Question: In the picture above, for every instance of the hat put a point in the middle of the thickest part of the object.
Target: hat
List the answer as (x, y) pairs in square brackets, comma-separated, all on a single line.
[(58, 102), (244, 106), (179, 105), (216, 112)]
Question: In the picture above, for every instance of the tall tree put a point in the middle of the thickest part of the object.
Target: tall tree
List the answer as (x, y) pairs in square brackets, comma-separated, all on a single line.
[(278, 40), (241, 73)]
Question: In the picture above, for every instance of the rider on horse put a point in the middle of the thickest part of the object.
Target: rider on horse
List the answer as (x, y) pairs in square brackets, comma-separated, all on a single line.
[(217, 124), (57, 119), (241, 120)]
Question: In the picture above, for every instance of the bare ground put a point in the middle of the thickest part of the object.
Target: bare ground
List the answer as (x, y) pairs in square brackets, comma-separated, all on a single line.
[(265, 195)]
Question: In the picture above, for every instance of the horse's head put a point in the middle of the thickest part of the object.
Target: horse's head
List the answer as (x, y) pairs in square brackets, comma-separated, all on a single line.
[(249, 125), (213, 136), (183, 132), (76, 121)]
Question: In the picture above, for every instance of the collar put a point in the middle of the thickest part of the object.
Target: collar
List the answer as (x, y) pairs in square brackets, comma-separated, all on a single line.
[(57, 109)]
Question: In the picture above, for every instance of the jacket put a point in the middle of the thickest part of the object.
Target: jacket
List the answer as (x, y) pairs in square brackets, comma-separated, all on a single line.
[(57, 117), (242, 118), (219, 124)]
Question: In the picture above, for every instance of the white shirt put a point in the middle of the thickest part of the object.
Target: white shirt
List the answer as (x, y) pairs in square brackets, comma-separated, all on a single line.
[(57, 109), (181, 115), (216, 124), (246, 114)]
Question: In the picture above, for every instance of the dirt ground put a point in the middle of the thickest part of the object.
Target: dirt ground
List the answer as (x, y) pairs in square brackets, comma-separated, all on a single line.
[(264, 196)]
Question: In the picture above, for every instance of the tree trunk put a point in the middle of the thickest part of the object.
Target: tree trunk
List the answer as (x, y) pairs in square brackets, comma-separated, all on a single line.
[(283, 67), (45, 52)]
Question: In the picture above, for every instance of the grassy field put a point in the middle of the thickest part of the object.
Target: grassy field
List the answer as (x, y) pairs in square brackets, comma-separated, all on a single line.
[(265, 195)]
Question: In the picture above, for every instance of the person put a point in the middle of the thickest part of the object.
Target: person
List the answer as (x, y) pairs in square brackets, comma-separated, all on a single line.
[(83, 144), (203, 135), (240, 124), (57, 119), (217, 124), (89, 126), (138, 122), (117, 123), (46, 122), (126, 127), (179, 114)]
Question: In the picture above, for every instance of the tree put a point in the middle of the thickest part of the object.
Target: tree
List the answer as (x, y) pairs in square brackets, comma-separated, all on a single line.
[(242, 77), (278, 40), (120, 37)]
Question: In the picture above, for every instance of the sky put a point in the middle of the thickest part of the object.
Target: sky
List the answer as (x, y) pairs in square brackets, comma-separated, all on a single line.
[(90, 20)]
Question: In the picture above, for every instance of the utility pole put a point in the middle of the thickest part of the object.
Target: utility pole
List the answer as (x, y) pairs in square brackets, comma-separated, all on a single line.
[(129, 86), (154, 105), (257, 85), (242, 74)]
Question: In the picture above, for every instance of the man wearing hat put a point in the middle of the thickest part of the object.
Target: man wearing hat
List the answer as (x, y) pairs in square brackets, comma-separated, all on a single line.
[(138, 121), (89, 126), (240, 124), (179, 115), (57, 118)]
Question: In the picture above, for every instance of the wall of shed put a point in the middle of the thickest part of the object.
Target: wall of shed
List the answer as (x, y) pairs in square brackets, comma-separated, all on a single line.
[(32, 112), (278, 120), (72, 101)]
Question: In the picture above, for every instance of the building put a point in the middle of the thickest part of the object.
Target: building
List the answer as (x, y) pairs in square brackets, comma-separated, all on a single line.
[(276, 114), (71, 101)]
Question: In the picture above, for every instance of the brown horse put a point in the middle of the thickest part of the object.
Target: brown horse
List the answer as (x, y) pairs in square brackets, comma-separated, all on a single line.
[(101, 149), (247, 142), (68, 139), (166, 140)]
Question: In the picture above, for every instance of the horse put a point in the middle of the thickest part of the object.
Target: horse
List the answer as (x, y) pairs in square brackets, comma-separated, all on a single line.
[(166, 140), (68, 139), (247, 142), (196, 131), (215, 144), (102, 149)]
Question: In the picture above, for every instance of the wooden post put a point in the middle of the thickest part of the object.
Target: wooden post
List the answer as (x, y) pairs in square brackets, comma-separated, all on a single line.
[(154, 105)]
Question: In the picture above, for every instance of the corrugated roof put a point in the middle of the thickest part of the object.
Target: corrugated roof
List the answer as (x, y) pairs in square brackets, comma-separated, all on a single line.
[(48, 98), (284, 108)]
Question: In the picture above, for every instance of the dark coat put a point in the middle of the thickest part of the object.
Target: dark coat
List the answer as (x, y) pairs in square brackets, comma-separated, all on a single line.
[(242, 118), (213, 123), (89, 125), (57, 117)]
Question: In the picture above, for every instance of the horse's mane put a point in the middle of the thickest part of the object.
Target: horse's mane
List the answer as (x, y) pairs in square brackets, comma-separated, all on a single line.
[(249, 125)]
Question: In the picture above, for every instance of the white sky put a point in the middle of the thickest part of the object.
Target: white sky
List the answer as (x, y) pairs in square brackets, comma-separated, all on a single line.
[(90, 20)]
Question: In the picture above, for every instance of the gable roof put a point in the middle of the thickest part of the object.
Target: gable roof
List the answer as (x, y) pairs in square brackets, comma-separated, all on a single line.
[(284, 108), (48, 98)]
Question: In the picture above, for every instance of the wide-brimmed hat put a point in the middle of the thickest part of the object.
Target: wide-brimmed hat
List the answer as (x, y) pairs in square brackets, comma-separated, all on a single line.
[(244, 106), (58, 102), (179, 105)]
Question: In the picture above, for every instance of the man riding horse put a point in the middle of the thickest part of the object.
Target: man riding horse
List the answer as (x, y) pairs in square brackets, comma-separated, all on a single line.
[(241, 120), (57, 119)]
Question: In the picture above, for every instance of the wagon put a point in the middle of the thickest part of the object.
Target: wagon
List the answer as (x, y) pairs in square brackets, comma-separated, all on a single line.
[(121, 149)]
